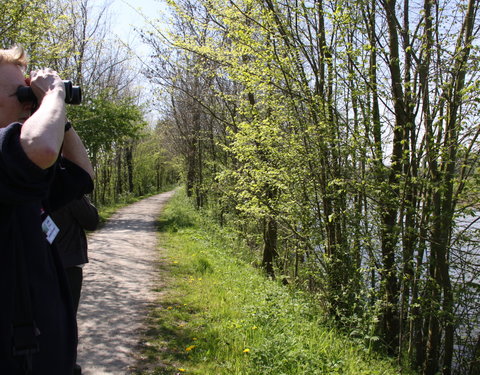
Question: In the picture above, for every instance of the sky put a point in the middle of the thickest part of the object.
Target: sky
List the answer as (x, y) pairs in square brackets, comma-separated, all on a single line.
[(128, 14)]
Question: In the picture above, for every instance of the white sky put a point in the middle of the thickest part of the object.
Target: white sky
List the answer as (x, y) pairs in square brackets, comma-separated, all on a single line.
[(129, 14), (125, 16)]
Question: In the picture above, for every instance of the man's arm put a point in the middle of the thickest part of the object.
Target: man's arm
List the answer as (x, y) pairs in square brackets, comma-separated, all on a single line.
[(42, 133), (74, 150)]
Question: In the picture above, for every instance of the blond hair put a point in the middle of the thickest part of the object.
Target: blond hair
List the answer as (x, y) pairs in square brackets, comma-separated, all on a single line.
[(15, 55)]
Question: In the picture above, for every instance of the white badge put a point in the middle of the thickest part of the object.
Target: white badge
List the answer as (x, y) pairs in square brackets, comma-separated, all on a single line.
[(50, 229)]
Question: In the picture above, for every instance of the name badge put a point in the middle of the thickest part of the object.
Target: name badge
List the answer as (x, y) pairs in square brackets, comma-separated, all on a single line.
[(50, 229)]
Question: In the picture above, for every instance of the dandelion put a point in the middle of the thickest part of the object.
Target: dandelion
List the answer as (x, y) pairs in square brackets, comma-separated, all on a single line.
[(191, 347), (246, 350), (182, 370)]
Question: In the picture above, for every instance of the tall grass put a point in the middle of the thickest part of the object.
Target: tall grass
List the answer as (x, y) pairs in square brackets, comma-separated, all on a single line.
[(220, 315)]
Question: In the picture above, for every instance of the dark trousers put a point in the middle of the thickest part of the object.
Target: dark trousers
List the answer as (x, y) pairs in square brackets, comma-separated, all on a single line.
[(75, 279)]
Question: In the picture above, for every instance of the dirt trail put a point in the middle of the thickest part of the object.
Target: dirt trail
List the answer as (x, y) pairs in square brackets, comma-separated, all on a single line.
[(118, 287)]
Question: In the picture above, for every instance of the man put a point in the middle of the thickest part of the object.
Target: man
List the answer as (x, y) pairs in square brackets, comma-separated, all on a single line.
[(37, 325)]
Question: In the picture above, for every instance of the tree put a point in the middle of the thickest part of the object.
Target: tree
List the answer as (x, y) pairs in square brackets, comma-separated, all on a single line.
[(348, 142), (107, 126)]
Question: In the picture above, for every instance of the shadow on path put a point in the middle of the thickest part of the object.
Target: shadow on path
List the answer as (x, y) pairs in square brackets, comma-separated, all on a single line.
[(118, 287)]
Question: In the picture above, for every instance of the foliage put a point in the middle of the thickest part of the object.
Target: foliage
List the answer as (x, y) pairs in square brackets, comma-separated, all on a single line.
[(105, 121), (152, 164), (31, 24)]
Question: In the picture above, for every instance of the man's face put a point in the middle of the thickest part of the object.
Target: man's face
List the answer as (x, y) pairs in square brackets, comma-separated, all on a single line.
[(11, 110)]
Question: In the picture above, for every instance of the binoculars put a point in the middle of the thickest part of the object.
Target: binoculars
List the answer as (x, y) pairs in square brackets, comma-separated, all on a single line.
[(73, 94)]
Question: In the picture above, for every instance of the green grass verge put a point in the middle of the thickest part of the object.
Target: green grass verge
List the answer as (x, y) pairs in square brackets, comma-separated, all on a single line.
[(219, 315)]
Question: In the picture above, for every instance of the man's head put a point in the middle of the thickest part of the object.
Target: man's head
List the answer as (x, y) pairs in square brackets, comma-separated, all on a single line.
[(15, 55), (13, 63)]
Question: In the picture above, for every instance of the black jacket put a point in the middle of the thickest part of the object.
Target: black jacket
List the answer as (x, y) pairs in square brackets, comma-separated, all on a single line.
[(73, 220), (25, 191)]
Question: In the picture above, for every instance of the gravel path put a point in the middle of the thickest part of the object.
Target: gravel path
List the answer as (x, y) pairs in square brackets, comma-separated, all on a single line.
[(118, 287)]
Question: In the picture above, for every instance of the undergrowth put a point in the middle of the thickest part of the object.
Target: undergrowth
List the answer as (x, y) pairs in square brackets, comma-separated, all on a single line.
[(219, 315)]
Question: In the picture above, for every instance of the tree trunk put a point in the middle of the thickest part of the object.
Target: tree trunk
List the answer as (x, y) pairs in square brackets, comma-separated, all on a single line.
[(444, 204), (389, 206), (129, 165), (270, 234)]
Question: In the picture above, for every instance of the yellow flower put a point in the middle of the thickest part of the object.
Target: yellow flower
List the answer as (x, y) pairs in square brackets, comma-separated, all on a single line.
[(246, 350), (254, 327), (182, 370), (190, 348)]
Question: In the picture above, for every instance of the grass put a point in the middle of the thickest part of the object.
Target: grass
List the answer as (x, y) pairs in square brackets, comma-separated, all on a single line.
[(219, 315)]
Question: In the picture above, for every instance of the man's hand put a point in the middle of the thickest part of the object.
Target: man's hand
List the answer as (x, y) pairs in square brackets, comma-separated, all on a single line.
[(45, 82)]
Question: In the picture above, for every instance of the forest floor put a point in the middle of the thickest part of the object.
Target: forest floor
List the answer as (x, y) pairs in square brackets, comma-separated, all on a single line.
[(120, 283)]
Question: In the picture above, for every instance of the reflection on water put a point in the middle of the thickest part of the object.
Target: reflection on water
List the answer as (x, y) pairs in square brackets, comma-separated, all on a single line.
[(465, 275)]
